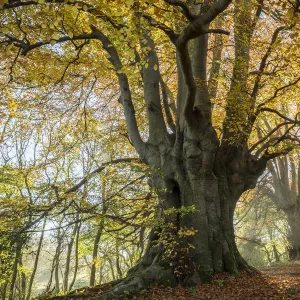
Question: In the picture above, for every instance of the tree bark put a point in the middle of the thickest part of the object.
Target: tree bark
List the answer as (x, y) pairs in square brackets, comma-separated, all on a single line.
[(97, 240), (4, 290), (22, 281), (15, 269), (37, 256), (57, 259), (69, 253), (286, 196), (76, 257), (198, 193), (293, 215), (118, 265)]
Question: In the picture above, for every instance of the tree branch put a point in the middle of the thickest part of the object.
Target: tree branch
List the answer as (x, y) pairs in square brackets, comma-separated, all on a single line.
[(165, 98), (151, 79), (264, 60), (268, 135), (98, 170), (277, 91), (154, 23), (296, 121), (126, 99), (185, 9), (75, 188)]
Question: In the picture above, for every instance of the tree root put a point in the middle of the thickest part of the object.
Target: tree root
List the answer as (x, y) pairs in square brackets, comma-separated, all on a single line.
[(139, 280)]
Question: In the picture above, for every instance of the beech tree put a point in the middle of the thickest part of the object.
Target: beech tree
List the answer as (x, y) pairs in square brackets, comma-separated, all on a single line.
[(200, 163), (285, 194)]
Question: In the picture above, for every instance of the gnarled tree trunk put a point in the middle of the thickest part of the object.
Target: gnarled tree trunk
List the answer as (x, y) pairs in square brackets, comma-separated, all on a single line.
[(192, 246), (198, 177)]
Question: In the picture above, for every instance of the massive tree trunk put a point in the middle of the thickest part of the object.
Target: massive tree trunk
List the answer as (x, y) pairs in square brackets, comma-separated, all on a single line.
[(192, 245), (198, 177)]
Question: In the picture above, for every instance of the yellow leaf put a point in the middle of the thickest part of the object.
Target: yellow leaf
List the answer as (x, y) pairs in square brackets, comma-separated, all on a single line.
[(55, 36), (70, 34), (129, 3), (52, 42)]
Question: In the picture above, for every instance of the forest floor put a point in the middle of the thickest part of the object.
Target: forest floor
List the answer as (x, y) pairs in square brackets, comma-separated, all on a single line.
[(276, 282)]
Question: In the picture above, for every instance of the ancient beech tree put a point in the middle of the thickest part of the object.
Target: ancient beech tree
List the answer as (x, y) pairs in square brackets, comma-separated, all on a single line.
[(194, 163)]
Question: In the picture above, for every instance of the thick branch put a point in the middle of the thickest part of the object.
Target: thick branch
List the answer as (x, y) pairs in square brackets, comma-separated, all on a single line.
[(166, 105), (239, 103), (185, 9), (126, 99), (151, 78), (216, 64), (28, 47), (198, 26), (267, 156), (187, 72), (154, 23), (258, 12)]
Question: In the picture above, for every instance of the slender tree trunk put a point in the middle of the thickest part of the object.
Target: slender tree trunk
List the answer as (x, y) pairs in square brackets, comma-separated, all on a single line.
[(57, 260), (293, 215), (15, 269), (276, 254), (286, 196), (76, 257), (68, 258), (97, 240), (48, 288), (101, 274), (95, 253), (112, 269), (22, 281), (141, 241), (4, 290), (36, 261), (118, 265)]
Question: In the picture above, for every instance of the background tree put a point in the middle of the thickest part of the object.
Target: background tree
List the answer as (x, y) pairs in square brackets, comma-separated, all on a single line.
[(284, 191)]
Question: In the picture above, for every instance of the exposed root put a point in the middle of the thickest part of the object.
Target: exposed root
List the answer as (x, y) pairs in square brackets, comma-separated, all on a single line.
[(139, 280)]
